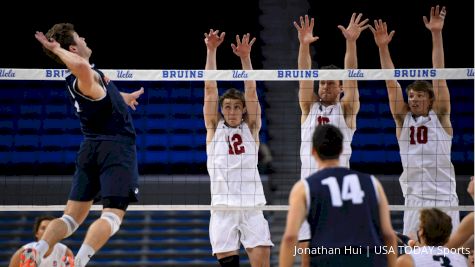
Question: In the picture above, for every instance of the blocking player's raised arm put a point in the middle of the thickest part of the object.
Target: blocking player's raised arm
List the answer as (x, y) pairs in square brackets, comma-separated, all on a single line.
[(306, 87), (210, 107), (398, 106), (441, 104), (351, 98), (242, 49)]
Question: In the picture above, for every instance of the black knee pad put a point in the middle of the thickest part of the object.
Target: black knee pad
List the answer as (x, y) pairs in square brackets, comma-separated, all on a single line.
[(120, 203), (231, 261)]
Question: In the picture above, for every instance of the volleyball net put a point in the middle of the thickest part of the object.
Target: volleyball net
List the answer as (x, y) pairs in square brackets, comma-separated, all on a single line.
[(40, 135)]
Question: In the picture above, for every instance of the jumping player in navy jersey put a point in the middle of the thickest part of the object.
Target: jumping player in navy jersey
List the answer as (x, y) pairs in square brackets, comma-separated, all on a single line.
[(106, 164), (347, 212)]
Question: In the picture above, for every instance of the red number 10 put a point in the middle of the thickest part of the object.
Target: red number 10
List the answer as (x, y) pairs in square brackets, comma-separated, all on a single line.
[(421, 134)]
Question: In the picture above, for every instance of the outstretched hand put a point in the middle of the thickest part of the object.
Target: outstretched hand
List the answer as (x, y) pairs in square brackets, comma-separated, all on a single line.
[(380, 32), (213, 39), (354, 29), (243, 48), (437, 17), (305, 30), (50, 44), (131, 99)]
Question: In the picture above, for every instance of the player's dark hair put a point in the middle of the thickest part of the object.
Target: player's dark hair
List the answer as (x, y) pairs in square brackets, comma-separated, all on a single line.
[(421, 86), (436, 226), (63, 34), (232, 93), (327, 141), (38, 221)]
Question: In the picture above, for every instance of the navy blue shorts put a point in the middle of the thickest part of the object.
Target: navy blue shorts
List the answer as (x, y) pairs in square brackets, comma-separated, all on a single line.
[(105, 169)]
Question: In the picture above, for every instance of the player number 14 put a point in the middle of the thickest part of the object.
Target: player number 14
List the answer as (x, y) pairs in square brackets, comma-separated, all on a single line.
[(351, 190)]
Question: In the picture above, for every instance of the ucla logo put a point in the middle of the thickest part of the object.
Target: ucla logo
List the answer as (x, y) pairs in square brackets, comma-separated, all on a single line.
[(470, 72), (121, 74), (7, 73), (420, 73), (53, 73), (297, 74), (355, 73), (183, 74), (240, 74)]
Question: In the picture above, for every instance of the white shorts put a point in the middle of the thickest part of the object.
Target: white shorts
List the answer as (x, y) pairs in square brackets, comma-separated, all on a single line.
[(228, 228), (304, 232), (411, 217)]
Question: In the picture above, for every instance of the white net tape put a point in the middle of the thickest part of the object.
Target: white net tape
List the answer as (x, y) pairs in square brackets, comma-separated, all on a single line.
[(258, 75)]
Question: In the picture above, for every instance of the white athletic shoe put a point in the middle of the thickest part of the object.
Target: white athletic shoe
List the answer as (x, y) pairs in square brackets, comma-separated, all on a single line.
[(77, 263)]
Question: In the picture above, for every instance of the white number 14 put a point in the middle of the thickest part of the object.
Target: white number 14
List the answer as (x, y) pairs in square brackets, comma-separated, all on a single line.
[(351, 190)]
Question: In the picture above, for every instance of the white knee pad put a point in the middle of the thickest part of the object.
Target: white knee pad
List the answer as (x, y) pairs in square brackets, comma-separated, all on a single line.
[(113, 220), (71, 224)]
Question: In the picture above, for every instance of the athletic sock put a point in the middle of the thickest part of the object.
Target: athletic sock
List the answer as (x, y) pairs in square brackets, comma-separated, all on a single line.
[(84, 255), (41, 248)]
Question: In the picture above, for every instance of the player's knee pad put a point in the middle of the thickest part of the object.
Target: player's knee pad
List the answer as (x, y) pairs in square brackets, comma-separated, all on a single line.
[(71, 224), (230, 261), (113, 220)]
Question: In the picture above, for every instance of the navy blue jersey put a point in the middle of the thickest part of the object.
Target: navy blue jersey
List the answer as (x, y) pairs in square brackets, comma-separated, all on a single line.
[(103, 119), (343, 209)]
